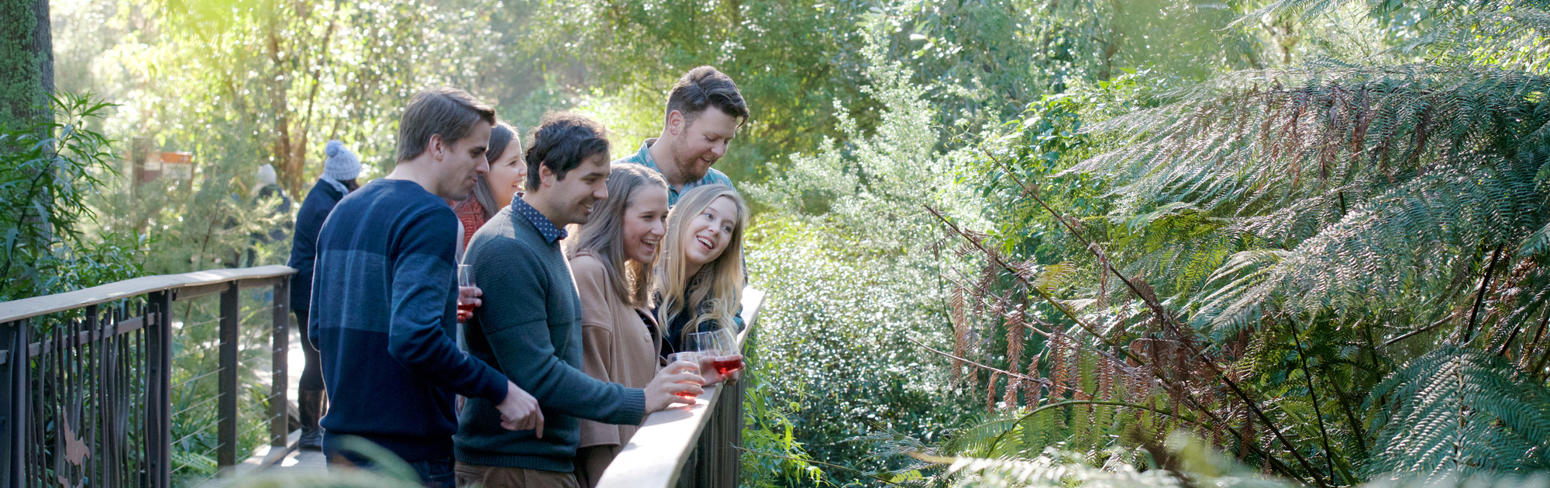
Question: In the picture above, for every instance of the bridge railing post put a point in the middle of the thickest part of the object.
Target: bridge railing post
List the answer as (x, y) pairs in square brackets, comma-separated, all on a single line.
[(13, 416), (279, 419), (226, 406), (158, 409)]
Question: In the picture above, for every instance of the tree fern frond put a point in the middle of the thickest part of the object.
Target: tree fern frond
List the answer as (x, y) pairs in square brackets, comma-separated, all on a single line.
[(1459, 409), (1374, 251), (1242, 285), (1225, 126), (1537, 243), (1054, 277), (1053, 468), (997, 436), (1190, 462), (1452, 479)]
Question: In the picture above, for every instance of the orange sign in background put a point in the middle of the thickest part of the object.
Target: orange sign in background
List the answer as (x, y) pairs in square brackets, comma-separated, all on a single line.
[(165, 164)]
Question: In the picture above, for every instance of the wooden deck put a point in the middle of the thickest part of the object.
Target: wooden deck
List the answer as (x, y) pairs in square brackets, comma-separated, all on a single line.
[(294, 459)]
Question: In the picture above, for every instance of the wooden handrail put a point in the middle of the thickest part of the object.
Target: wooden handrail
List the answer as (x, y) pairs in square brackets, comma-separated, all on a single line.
[(656, 455), (31, 307), (118, 354)]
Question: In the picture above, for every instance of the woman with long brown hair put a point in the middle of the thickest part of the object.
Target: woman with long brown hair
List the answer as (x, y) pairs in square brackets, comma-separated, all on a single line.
[(494, 191), (611, 262)]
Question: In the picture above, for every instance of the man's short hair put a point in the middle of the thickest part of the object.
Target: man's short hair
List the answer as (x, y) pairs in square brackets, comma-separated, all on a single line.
[(561, 142), (705, 87), (450, 112)]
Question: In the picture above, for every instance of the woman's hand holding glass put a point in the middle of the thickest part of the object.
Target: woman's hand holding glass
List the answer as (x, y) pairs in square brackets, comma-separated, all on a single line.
[(717, 354)]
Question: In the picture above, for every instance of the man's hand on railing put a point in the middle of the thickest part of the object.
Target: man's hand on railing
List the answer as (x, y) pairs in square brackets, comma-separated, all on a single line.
[(677, 383), (519, 411)]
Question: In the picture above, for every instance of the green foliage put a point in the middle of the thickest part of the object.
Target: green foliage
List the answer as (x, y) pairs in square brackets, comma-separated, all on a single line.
[(241, 83), (1291, 236), (1186, 462), (196, 225), (837, 355), (48, 173), (1460, 410), (772, 454), (634, 51), (852, 294)]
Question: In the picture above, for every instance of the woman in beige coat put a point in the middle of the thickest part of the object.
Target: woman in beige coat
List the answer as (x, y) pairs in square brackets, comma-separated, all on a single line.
[(611, 262)]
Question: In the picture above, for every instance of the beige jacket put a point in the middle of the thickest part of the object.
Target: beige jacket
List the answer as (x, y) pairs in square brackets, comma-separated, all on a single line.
[(617, 344)]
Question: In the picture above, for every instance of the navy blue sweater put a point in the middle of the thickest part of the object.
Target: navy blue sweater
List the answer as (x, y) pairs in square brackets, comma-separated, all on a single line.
[(384, 302), (319, 202)]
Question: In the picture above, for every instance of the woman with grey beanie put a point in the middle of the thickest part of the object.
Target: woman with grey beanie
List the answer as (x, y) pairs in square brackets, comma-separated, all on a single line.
[(340, 169)]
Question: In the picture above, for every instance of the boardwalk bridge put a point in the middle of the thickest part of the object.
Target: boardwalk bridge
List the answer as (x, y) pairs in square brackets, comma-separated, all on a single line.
[(111, 386)]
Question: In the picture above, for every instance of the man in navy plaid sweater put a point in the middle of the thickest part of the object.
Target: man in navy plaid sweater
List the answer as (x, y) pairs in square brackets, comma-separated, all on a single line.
[(384, 296)]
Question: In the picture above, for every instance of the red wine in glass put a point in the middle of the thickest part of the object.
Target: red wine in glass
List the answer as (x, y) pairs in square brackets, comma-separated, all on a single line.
[(693, 357), (465, 277), (727, 364)]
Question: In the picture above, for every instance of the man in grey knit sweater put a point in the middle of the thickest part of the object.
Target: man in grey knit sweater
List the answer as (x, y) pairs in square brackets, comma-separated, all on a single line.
[(529, 325)]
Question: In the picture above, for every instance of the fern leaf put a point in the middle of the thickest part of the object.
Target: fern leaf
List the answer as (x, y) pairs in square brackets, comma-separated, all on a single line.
[(1460, 410)]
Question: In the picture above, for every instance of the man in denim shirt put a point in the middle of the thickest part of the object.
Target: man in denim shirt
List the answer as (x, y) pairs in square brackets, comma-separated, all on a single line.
[(704, 110)]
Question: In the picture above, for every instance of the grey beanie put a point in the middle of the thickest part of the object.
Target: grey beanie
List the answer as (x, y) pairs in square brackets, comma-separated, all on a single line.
[(341, 164), (266, 176)]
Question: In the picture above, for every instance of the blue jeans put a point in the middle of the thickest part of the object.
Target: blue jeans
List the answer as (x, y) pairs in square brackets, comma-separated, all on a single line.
[(436, 473)]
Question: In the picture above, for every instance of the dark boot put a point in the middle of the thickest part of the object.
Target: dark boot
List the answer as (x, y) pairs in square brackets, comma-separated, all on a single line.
[(309, 406)]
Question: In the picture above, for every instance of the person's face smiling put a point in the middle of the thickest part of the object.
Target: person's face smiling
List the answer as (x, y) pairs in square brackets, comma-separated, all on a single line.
[(709, 233), (702, 142), (645, 221), (507, 175), (572, 197)]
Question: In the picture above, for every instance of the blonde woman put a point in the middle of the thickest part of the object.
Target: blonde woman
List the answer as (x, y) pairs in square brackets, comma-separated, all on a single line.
[(611, 263), (700, 278)]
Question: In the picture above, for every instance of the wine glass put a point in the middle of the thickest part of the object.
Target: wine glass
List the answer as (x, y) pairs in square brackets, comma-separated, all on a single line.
[(731, 360), (465, 278), (718, 351), (690, 356)]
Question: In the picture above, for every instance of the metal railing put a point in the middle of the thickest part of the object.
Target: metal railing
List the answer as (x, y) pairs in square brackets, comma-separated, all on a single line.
[(88, 375), (694, 446)]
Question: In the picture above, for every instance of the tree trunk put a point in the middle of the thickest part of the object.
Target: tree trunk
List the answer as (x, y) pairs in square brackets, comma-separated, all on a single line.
[(26, 80), (26, 61)]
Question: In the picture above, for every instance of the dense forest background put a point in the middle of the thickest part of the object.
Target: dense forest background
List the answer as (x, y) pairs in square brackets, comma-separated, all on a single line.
[(1006, 242)]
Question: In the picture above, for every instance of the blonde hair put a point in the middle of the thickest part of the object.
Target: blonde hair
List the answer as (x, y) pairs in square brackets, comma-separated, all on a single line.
[(603, 234), (718, 286)]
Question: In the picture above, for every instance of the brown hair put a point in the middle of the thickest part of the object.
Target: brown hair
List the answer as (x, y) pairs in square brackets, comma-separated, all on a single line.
[(501, 135), (603, 234), (448, 112), (561, 142), (705, 87)]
